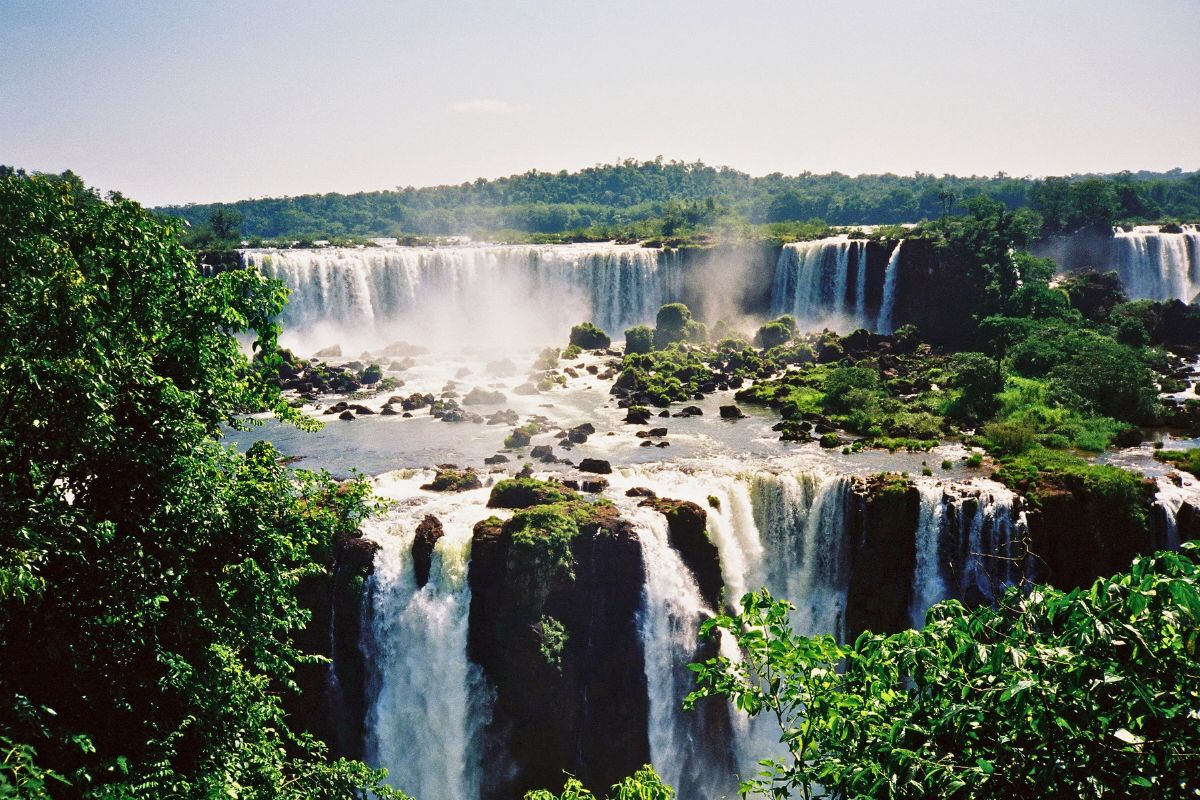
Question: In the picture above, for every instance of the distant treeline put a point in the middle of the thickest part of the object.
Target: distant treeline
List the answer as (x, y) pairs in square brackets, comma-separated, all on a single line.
[(670, 199)]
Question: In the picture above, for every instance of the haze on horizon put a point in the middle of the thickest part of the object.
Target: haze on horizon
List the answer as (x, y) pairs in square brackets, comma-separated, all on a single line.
[(218, 102)]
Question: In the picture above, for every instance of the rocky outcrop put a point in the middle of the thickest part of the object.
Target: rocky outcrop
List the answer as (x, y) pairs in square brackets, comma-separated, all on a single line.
[(687, 526), (882, 553), (334, 711), (556, 636), (428, 533)]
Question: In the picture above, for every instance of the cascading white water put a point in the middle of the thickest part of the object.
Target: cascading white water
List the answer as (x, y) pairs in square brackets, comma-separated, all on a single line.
[(1158, 266), (989, 555), (669, 625), (466, 295), (811, 282), (887, 306), (428, 703), (929, 587)]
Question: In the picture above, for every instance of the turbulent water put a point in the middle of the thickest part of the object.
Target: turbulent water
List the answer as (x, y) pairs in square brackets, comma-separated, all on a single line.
[(1158, 266), (518, 294), (824, 284), (782, 516), (427, 703)]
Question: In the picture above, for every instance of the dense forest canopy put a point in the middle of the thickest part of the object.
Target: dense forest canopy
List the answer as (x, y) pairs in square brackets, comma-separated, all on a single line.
[(621, 199)]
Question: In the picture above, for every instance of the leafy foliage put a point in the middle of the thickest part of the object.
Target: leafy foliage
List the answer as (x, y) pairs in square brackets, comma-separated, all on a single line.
[(147, 574), (644, 784), (1091, 692)]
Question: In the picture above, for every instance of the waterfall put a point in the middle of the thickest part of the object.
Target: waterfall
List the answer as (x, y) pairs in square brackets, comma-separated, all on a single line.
[(887, 306), (929, 587), (989, 555), (465, 295), (1158, 266), (812, 281), (427, 702), (669, 626)]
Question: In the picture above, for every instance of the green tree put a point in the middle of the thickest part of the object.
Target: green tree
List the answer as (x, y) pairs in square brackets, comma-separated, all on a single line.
[(644, 784), (147, 574), (1088, 693)]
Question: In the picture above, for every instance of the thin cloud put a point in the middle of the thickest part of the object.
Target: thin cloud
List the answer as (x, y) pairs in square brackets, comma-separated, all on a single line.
[(487, 107)]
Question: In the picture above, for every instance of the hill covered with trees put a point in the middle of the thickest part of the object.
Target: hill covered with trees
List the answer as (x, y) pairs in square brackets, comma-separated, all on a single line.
[(647, 199)]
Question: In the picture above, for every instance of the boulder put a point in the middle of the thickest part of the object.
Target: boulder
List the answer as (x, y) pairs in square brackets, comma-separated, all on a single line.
[(637, 415), (499, 458), (690, 411), (450, 479), (594, 485), (595, 465), (526, 389), (333, 351), (428, 533), (479, 397), (347, 415), (389, 410), (731, 412)]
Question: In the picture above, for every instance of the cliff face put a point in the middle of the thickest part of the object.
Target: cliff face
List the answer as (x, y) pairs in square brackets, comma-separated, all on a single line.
[(882, 554), (563, 655), (332, 702)]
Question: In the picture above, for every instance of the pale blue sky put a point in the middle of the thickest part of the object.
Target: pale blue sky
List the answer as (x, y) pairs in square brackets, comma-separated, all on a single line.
[(201, 101)]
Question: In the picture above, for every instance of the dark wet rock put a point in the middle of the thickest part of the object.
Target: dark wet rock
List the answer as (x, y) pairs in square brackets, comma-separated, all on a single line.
[(594, 485), (640, 491), (653, 433), (637, 415), (585, 710), (505, 417), (346, 415), (499, 458), (663, 444), (690, 411), (389, 410), (597, 465), (732, 412), (687, 524), (428, 533)]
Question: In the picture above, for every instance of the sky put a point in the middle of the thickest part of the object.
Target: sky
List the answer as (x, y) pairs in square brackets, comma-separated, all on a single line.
[(200, 101)]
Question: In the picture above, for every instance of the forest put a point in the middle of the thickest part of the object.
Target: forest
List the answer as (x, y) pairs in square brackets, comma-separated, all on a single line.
[(640, 200)]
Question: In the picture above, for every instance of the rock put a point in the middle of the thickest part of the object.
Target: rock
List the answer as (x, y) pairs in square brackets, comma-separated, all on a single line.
[(664, 413), (526, 389), (647, 443), (407, 415), (389, 410), (640, 491), (428, 533), (399, 365), (690, 411), (637, 415), (576, 436), (518, 438), (731, 412), (361, 409), (594, 485), (499, 458), (479, 397), (346, 415), (449, 479), (653, 433), (403, 349), (462, 372), (687, 525), (663, 444), (333, 351), (586, 428), (596, 465), (542, 452), (416, 401)]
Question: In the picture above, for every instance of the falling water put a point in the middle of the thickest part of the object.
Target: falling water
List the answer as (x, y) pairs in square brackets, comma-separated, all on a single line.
[(887, 307), (1158, 266), (990, 554), (669, 624), (367, 296), (811, 282), (929, 587), (428, 703)]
